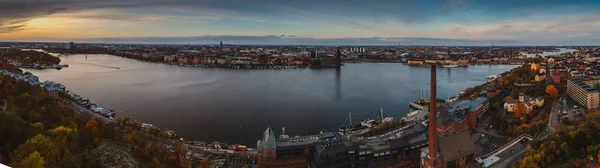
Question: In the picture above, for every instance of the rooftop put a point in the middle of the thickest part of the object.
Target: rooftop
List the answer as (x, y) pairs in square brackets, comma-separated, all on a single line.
[(298, 141), (455, 146)]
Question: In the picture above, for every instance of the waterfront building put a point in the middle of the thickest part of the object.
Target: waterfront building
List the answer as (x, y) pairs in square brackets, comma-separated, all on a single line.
[(491, 93), (284, 152), (461, 115), (182, 60), (415, 62), (332, 150), (583, 94), (170, 58)]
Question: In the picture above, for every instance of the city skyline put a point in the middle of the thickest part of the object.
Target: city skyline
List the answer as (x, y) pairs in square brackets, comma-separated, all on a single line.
[(437, 22)]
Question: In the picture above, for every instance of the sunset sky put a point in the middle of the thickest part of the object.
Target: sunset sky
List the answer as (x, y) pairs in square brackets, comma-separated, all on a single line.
[(539, 22)]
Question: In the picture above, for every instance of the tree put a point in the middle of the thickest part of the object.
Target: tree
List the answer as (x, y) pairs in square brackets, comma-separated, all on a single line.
[(475, 95), (41, 144), (34, 160), (204, 163), (552, 91), (155, 163), (62, 136), (92, 125), (520, 109), (506, 99), (179, 149)]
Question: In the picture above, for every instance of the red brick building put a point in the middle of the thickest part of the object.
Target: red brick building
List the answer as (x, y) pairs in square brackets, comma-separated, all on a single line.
[(273, 153), (461, 115)]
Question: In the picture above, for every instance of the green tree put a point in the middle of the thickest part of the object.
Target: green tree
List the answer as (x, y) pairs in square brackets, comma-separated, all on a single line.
[(37, 128)]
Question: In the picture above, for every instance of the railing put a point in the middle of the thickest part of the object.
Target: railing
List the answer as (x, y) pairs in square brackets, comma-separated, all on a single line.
[(507, 145)]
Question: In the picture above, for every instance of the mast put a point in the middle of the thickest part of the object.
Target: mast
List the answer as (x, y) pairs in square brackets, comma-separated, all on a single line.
[(381, 113), (350, 119)]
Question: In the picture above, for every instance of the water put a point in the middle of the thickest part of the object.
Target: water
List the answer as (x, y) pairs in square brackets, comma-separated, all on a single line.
[(544, 54), (236, 105)]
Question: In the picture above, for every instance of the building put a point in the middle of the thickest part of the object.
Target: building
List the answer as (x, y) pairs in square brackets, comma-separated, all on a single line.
[(415, 62), (540, 77), (170, 58), (461, 115), (534, 66), (457, 149), (491, 93), (318, 54), (332, 150), (70, 45), (285, 152), (529, 103), (583, 94), (182, 60)]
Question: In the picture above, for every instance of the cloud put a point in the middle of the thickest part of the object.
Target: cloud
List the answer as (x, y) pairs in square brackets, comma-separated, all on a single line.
[(468, 19), (295, 40)]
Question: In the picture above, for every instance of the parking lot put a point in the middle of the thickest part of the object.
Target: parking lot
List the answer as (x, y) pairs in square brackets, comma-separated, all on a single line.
[(567, 109)]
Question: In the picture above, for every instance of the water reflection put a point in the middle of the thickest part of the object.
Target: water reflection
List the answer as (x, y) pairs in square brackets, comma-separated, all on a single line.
[(241, 103)]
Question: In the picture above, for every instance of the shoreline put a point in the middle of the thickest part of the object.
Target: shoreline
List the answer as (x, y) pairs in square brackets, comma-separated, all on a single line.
[(261, 66)]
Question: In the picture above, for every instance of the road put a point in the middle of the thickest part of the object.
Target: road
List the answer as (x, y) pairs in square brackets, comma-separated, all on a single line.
[(553, 121), (83, 110)]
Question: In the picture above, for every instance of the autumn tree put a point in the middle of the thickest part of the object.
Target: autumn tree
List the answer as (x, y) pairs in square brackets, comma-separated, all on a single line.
[(41, 144), (520, 109), (92, 125), (179, 149), (204, 163), (552, 91), (506, 99), (34, 160), (155, 163), (62, 135)]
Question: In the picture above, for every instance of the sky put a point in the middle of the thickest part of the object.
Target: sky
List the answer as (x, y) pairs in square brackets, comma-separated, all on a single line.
[(322, 22)]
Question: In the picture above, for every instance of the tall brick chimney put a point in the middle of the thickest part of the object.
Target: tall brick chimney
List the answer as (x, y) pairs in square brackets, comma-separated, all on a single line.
[(433, 158)]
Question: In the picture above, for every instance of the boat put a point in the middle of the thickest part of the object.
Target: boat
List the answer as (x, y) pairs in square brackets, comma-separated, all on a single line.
[(416, 115), (492, 76), (419, 104), (452, 99), (449, 66), (364, 124)]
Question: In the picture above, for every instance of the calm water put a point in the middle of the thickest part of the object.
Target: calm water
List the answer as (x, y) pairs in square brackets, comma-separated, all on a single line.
[(235, 106)]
